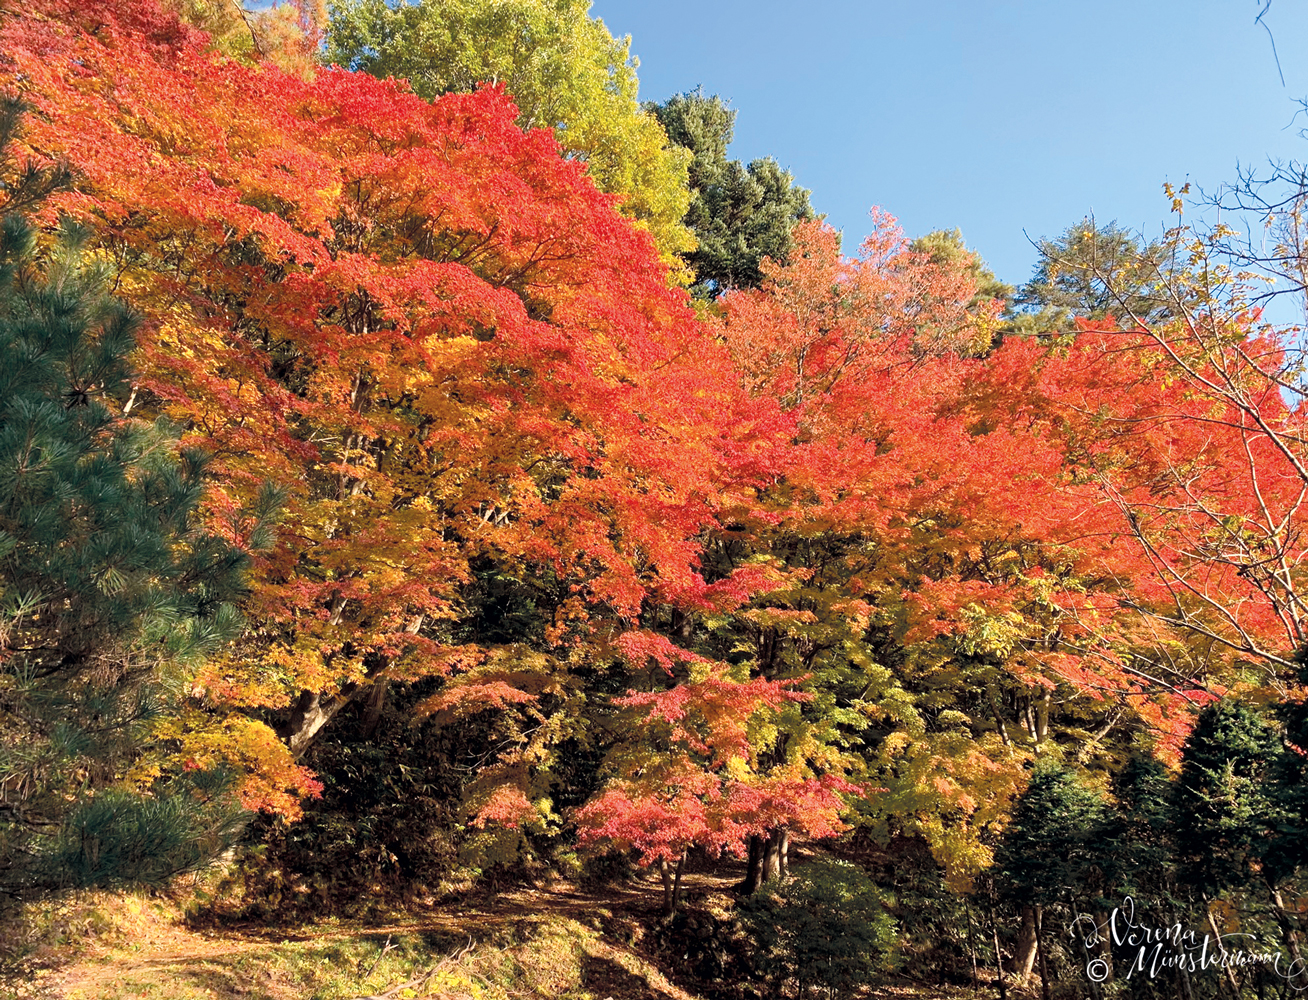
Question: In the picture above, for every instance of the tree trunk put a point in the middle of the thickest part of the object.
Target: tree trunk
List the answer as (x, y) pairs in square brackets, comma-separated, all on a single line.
[(374, 707), (1217, 940), (1105, 947), (772, 855), (1042, 716), (971, 946), (1287, 928), (676, 883), (312, 710), (999, 956), (1040, 950), (783, 850), (669, 901), (1187, 992), (754, 870), (1088, 954), (310, 713), (1024, 952)]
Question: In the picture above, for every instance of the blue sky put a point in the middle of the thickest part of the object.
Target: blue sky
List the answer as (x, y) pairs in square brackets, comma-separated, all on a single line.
[(993, 117)]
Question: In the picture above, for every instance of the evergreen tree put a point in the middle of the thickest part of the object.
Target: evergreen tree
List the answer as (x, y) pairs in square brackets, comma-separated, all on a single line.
[(825, 926), (1093, 272), (947, 249), (1223, 800), (1288, 849), (1052, 850), (739, 214), (107, 588), (1138, 845)]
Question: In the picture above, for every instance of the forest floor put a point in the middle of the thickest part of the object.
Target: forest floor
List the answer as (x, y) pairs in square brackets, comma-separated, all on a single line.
[(557, 941)]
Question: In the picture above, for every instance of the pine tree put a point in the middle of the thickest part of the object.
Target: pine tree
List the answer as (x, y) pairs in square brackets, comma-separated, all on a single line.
[(1050, 850), (1094, 271), (1138, 843), (107, 590), (739, 214)]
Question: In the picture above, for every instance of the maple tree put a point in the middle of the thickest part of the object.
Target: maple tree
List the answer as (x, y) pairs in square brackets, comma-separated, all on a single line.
[(843, 346), (976, 574), (563, 70), (829, 555), (696, 775), (1198, 407), (457, 361), (1194, 454)]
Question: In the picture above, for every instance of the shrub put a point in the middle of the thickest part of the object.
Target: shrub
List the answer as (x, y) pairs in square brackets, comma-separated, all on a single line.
[(826, 926)]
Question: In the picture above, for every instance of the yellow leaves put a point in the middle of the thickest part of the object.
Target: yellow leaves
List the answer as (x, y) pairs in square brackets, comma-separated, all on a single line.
[(895, 744), (1225, 915), (268, 777), (1175, 195), (961, 852), (142, 774), (952, 718), (989, 634), (954, 790), (738, 769)]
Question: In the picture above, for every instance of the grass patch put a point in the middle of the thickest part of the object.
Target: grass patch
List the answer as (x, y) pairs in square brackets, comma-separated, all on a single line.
[(138, 952)]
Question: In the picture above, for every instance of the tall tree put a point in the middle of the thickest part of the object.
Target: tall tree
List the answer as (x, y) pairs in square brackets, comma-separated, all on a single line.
[(1092, 271), (740, 215), (1224, 800), (110, 590), (465, 368)]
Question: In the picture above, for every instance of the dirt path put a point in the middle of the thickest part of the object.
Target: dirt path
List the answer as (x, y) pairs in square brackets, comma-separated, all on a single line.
[(164, 958), (557, 941)]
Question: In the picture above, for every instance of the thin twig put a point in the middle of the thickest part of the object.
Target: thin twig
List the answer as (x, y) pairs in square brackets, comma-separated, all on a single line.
[(380, 955), (1267, 5)]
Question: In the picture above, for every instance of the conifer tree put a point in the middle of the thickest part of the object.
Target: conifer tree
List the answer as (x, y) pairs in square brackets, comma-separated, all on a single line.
[(1138, 844), (1288, 849), (106, 588), (1224, 808), (1095, 271), (739, 214)]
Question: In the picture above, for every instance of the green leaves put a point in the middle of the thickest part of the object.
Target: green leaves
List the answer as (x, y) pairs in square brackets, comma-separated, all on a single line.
[(1050, 850), (1224, 809), (826, 925), (119, 839), (105, 586)]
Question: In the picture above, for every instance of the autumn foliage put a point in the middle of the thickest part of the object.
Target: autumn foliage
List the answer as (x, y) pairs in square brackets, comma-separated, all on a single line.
[(428, 330), (826, 554)]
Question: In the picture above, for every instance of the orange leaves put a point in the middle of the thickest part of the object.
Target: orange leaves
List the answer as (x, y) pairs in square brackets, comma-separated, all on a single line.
[(425, 325), (824, 330), (509, 452), (271, 780), (662, 818), (710, 717), (506, 806)]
